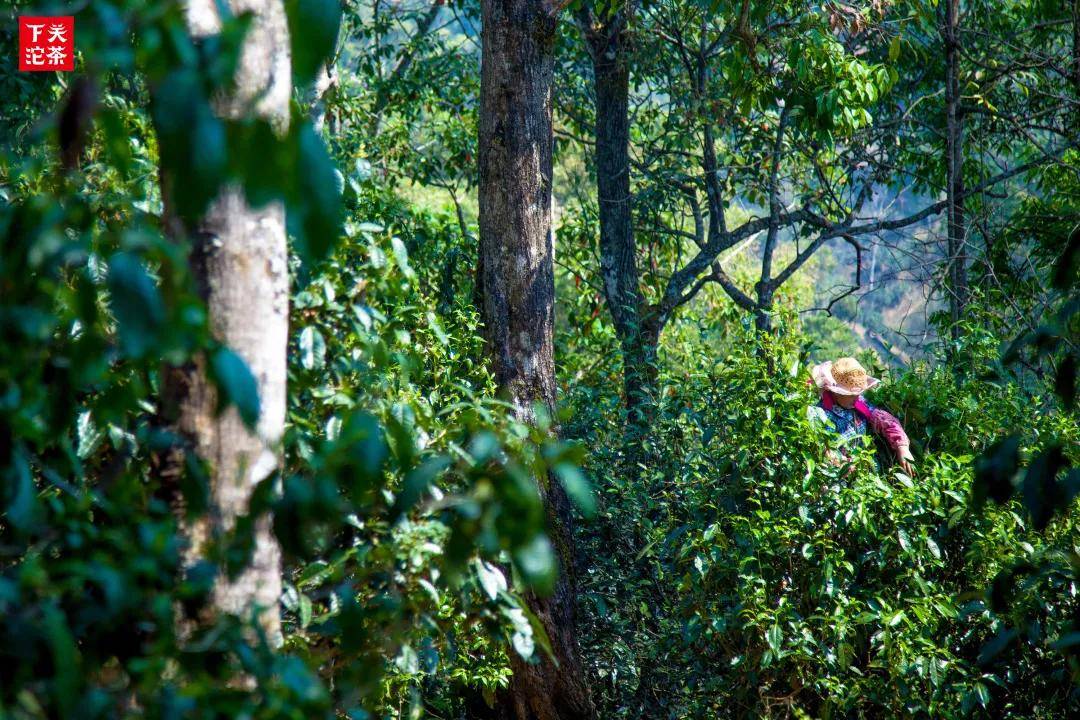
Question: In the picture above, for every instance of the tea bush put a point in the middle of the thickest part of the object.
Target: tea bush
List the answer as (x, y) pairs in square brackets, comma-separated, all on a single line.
[(757, 578)]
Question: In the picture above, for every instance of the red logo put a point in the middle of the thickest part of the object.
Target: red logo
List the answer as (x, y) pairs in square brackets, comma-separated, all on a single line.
[(46, 44)]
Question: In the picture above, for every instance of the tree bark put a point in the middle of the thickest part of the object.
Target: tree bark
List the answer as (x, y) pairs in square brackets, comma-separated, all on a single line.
[(1076, 46), (325, 81), (239, 260), (607, 44), (954, 169), (1075, 65), (765, 286), (763, 311), (518, 299)]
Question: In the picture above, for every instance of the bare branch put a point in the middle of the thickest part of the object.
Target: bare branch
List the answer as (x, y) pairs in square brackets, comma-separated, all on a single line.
[(858, 274)]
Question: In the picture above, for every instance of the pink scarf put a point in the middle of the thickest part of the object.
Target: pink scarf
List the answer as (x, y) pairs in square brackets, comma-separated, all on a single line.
[(861, 407)]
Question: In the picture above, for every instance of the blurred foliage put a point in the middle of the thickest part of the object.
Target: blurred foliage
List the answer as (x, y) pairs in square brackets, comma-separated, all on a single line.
[(407, 509)]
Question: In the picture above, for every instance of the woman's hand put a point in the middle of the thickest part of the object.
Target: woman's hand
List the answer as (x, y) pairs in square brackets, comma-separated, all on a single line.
[(907, 467)]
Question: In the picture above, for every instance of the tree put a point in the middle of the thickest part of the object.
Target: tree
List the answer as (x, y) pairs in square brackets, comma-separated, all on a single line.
[(517, 301), (954, 166), (762, 127), (988, 103), (607, 36), (695, 71), (240, 262)]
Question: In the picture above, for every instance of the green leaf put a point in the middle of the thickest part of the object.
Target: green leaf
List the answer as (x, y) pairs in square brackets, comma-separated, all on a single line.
[(1043, 495), (313, 32), (407, 661), (136, 304), (522, 633), (1067, 641), (934, 549), (536, 562), (401, 257), (996, 645), (23, 509), (236, 385), (313, 574), (315, 208), (775, 638), (416, 482), (359, 455), (305, 610), (66, 660), (983, 694), (262, 161), (539, 634), (312, 348), (491, 579), (1067, 268), (192, 142), (996, 470), (577, 488)]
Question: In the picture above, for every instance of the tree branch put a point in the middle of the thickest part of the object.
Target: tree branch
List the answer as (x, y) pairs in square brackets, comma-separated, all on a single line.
[(858, 274), (741, 299), (774, 198), (423, 27)]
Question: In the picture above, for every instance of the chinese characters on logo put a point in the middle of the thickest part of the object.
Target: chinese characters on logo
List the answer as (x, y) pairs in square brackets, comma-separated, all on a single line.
[(46, 44)]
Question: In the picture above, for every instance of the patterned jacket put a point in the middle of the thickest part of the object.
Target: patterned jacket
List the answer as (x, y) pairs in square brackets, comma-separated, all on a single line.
[(849, 424)]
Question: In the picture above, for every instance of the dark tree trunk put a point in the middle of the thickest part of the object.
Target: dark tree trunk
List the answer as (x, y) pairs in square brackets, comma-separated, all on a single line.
[(1075, 74), (763, 311), (766, 287), (640, 379), (638, 338), (1076, 46), (954, 166), (518, 299)]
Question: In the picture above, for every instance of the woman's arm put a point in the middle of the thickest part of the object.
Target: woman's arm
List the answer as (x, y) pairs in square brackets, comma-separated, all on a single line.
[(888, 427)]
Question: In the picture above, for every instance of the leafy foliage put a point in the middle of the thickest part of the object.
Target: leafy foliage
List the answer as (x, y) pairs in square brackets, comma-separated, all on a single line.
[(766, 578), (390, 500)]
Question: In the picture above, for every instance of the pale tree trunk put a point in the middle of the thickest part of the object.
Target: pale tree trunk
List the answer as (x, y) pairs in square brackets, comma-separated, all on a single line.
[(954, 166), (517, 300), (325, 81), (239, 259)]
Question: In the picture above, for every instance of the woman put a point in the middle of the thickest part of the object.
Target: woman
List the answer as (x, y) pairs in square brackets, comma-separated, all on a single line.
[(842, 408)]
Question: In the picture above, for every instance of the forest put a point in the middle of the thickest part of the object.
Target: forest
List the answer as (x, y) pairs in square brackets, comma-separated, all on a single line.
[(506, 360)]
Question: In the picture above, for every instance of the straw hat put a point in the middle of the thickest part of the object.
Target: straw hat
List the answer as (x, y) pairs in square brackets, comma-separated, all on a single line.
[(843, 377)]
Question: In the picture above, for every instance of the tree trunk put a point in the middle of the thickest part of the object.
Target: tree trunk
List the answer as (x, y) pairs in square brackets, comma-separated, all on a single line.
[(518, 299), (763, 312), (640, 375), (607, 44), (325, 81), (239, 260), (766, 287), (1076, 46), (1075, 74), (954, 166)]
